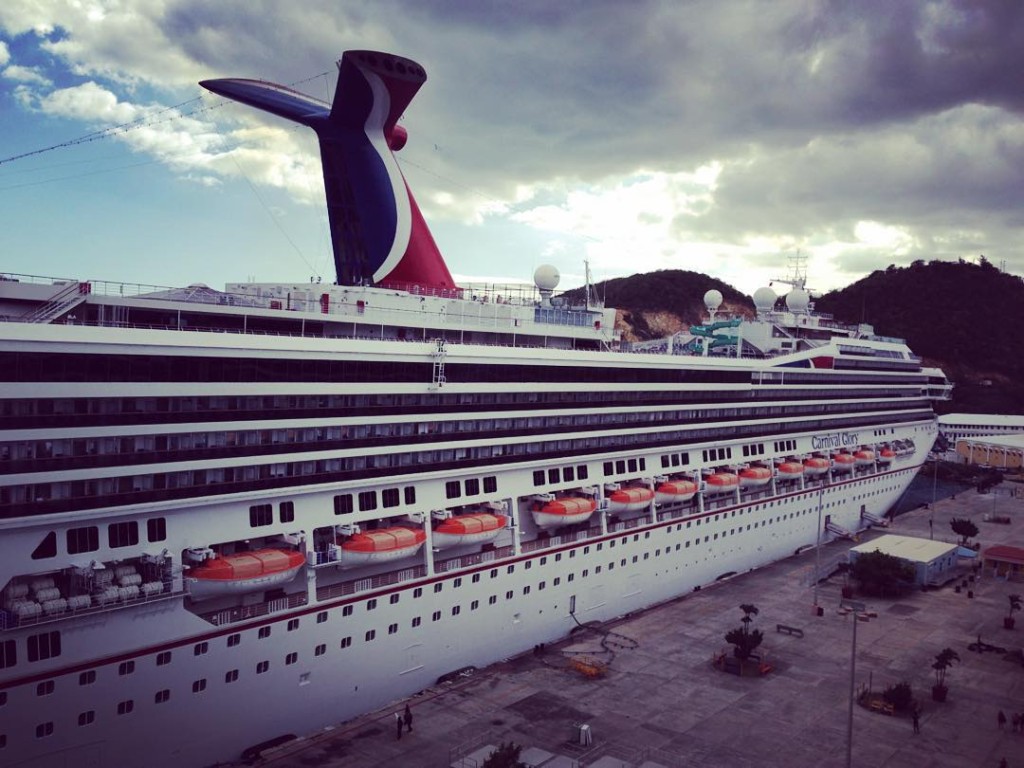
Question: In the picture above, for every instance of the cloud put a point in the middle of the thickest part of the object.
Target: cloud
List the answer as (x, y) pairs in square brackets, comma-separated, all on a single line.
[(25, 75), (5, 53)]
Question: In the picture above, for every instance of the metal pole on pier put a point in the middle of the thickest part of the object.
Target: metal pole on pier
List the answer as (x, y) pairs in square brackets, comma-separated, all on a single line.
[(817, 550)]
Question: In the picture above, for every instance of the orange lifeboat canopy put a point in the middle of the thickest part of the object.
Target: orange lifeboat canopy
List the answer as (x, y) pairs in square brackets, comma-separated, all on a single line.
[(816, 465), (864, 457), (755, 476), (629, 499), (676, 491), (886, 455), (248, 565), (565, 511), (475, 528), (721, 481), (384, 540), (461, 525), (791, 469)]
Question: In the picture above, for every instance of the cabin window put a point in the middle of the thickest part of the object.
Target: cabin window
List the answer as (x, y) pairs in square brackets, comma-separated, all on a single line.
[(367, 501), (123, 534), (260, 515), (162, 696), (43, 646), (47, 547), (125, 707), (472, 487), (452, 489), (490, 484), (286, 511), (156, 529), (198, 686), (343, 504), (538, 477), (231, 676), (87, 678), (86, 718), (8, 654), (389, 497), (83, 539), (410, 494)]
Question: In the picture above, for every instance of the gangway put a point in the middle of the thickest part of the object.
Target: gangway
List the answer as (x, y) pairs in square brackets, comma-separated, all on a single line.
[(838, 530), (874, 519)]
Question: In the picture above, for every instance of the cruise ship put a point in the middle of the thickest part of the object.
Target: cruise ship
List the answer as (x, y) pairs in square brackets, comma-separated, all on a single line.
[(231, 516)]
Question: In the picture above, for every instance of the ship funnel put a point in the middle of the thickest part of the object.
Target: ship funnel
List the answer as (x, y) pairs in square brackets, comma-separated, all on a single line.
[(378, 232)]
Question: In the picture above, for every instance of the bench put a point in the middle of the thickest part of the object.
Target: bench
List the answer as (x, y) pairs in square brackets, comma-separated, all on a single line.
[(785, 630)]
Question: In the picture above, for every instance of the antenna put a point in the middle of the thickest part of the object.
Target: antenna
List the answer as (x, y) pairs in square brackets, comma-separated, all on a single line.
[(797, 272)]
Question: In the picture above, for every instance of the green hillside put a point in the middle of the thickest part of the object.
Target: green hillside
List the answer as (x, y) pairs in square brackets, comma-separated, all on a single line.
[(965, 317)]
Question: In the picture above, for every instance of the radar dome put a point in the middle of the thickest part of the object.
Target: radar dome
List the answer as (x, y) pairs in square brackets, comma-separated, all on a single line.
[(546, 277), (798, 300), (713, 299), (764, 299)]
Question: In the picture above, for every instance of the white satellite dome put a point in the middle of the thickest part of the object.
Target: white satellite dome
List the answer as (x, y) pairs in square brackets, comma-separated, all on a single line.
[(798, 300), (713, 299), (546, 277), (764, 299)]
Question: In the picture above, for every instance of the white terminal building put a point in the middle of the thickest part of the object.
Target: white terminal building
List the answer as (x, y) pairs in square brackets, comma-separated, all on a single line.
[(986, 439), (933, 561)]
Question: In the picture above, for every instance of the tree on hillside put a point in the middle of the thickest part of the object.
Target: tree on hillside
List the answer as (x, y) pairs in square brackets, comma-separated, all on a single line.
[(963, 528), (880, 574)]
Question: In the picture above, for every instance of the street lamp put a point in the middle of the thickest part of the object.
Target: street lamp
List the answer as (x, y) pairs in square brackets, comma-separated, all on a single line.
[(859, 611), (817, 552)]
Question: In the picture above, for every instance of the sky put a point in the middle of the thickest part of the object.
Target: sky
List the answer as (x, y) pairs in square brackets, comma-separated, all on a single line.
[(719, 136)]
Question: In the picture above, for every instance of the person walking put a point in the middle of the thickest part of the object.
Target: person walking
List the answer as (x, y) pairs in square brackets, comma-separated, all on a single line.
[(398, 723), (1001, 719), (407, 718), (917, 721)]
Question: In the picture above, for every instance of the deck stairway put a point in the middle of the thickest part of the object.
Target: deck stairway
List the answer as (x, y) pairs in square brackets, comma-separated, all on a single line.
[(66, 299)]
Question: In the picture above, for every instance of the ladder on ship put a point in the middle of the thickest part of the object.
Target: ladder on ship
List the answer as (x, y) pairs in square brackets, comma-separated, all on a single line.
[(69, 297), (440, 351)]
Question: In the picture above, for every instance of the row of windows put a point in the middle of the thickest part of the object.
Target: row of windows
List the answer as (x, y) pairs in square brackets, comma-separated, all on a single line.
[(40, 647), (71, 367), (44, 498), (755, 449), (104, 411), (716, 454), (87, 538), (675, 460), (568, 474), (81, 453)]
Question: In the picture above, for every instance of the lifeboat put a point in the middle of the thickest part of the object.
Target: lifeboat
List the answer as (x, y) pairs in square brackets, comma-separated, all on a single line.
[(864, 457), (381, 545), (816, 465), (675, 491), (789, 470), (843, 462), (244, 572), (886, 455), (565, 511), (754, 477), (904, 448), (630, 499), (721, 482), (469, 529)]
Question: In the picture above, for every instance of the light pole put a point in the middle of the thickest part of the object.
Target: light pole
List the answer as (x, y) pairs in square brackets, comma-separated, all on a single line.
[(858, 609), (935, 482), (817, 552)]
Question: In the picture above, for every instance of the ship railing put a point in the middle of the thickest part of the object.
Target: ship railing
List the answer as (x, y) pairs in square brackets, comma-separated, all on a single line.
[(676, 511), (246, 612), (10, 620), (365, 583), (554, 541), (465, 561), (627, 525)]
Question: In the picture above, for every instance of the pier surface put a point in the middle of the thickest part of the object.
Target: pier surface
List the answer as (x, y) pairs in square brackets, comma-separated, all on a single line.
[(656, 700)]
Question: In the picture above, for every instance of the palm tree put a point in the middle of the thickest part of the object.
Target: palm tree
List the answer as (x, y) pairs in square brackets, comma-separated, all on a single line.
[(944, 659), (743, 640)]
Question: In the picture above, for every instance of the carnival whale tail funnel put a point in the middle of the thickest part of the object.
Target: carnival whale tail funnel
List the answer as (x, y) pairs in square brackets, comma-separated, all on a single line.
[(378, 232)]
